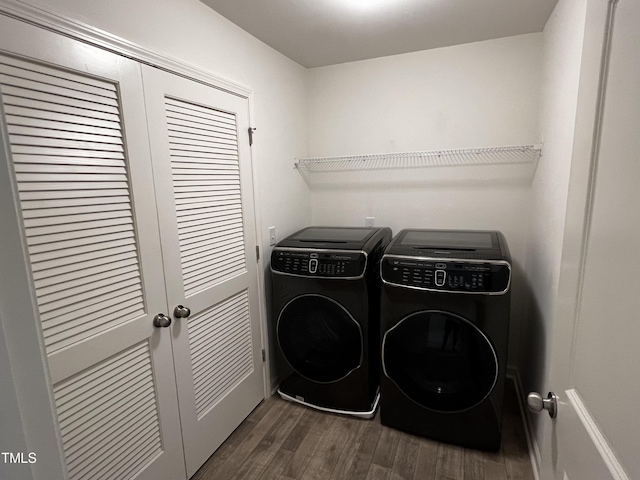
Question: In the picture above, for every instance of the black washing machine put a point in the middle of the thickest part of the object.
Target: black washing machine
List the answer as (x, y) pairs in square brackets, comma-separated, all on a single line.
[(445, 306), (326, 298)]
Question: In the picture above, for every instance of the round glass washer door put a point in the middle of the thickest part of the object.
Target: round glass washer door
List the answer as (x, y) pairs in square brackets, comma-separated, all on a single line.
[(440, 360), (319, 338)]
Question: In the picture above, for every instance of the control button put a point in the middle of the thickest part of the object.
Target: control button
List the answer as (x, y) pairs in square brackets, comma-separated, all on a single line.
[(441, 276), (441, 266), (313, 265)]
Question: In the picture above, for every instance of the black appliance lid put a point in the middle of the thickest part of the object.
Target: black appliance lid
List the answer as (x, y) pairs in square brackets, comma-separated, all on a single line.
[(446, 239), (472, 244), (347, 238)]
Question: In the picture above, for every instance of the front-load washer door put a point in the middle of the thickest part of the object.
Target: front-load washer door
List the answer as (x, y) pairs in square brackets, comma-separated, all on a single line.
[(440, 360), (319, 338)]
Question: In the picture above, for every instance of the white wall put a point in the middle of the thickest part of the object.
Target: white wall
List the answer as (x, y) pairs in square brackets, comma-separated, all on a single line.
[(474, 95), (563, 43)]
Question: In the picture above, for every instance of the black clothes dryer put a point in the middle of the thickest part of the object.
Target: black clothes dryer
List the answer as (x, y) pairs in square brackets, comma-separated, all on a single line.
[(326, 298), (445, 306)]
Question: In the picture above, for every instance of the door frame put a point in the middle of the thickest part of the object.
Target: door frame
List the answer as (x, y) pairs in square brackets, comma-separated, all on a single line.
[(31, 385)]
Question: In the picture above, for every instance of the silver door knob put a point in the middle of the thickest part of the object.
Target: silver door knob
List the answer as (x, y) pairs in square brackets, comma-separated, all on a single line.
[(161, 321), (536, 403), (181, 312)]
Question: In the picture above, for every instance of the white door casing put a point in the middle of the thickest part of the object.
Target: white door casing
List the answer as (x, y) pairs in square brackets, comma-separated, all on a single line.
[(88, 227), (203, 177), (594, 355)]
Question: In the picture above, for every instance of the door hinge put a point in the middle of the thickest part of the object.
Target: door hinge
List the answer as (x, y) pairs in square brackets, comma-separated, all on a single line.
[(257, 253), (251, 130), (264, 355)]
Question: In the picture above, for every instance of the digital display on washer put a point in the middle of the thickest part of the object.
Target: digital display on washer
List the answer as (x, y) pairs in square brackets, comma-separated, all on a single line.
[(447, 276), (316, 263), (447, 240), (329, 235)]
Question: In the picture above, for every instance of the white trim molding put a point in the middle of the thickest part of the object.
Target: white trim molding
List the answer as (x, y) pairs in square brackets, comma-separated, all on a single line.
[(72, 28), (598, 439)]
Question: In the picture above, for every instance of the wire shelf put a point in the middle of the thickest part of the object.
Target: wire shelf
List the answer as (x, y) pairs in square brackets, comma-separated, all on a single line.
[(521, 154)]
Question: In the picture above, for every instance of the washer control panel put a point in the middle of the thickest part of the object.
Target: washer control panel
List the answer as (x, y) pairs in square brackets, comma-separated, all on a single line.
[(319, 263), (489, 277)]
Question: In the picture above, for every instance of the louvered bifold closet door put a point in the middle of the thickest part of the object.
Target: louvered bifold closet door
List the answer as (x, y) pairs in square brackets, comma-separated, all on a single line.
[(88, 224), (202, 169)]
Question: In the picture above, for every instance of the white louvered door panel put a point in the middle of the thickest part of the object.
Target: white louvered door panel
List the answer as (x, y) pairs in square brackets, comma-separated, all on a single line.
[(202, 170), (205, 170), (91, 239)]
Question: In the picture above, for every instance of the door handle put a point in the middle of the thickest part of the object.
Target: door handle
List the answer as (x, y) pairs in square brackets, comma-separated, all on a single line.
[(161, 321), (536, 403), (181, 312)]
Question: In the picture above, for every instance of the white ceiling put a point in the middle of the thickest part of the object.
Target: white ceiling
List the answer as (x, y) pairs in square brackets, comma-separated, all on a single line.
[(325, 32)]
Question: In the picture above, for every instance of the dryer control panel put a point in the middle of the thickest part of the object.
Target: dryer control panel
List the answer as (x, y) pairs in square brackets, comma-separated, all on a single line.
[(447, 275), (319, 263)]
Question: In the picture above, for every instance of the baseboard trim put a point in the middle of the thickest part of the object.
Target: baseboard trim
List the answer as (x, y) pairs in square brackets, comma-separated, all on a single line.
[(534, 451)]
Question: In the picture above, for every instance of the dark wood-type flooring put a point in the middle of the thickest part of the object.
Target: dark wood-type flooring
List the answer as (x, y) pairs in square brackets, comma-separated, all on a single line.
[(285, 441)]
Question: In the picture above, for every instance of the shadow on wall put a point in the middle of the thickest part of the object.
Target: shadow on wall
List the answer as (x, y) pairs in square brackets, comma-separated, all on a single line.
[(519, 311), (532, 363), (279, 368)]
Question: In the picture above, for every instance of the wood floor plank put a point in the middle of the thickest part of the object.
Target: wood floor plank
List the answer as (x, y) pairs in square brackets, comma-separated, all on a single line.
[(386, 449), (304, 453), (427, 460), (351, 446), (473, 465), (377, 472), (359, 468), (302, 456), (295, 437), (449, 465), (270, 443), (277, 465), (494, 470), (519, 470), (328, 452), (404, 463)]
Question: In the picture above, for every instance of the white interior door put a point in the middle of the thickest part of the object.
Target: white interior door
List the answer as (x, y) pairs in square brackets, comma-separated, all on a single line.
[(89, 229), (596, 360), (202, 169)]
